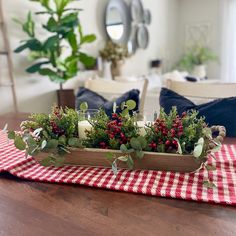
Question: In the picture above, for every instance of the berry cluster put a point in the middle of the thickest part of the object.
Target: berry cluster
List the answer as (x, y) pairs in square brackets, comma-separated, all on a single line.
[(165, 132), (114, 131), (56, 129)]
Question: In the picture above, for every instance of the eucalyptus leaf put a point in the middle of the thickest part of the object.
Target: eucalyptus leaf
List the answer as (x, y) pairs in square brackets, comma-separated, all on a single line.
[(142, 141), (37, 132), (125, 112), (109, 156), (114, 168), (83, 106), (47, 161), (139, 154), (5, 128), (210, 167), (74, 142), (123, 158), (135, 144), (43, 144), (19, 143), (11, 134), (197, 151), (216, 148), (52, 144), (209, 184), (131, 104), (114, 107), (123, 148), (130, 162)]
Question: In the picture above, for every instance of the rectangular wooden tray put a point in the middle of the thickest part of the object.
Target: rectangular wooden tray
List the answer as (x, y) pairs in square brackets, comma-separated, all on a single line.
[(150, 161)]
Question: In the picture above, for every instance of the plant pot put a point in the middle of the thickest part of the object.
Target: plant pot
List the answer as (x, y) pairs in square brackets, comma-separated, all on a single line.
[(66, 98), (150, 161), (199, 71)]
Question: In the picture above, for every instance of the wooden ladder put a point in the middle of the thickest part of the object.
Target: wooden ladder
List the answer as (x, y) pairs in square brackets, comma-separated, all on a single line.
[(6, 51)]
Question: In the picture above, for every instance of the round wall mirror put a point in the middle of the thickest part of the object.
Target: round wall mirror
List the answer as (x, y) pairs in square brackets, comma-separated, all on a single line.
[(114, 24), (117, 21)]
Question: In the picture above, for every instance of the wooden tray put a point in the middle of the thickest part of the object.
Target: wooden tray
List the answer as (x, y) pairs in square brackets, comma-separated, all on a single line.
[(150, 161)]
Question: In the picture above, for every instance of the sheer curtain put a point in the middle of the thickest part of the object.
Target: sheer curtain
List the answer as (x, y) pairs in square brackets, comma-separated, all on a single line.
[(228, 50)]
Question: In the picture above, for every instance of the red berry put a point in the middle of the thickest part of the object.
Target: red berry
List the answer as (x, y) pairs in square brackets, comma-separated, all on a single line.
[(167, 143)]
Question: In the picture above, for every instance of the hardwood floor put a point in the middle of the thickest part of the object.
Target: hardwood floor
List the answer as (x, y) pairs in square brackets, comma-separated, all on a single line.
[(33, 208)]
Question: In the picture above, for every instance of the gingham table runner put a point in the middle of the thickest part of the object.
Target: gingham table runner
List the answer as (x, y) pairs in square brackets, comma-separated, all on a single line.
[(155, 183)]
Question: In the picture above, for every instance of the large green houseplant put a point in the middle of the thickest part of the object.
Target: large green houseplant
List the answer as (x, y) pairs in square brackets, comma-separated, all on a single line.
[(59, 56)]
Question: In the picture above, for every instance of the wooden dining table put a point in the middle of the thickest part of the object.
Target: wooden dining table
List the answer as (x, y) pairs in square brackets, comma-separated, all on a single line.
[(34, 208)]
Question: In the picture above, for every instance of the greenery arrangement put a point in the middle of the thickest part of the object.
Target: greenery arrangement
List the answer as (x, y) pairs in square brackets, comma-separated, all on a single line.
[(56, 134), (196, 55), (59, 55), (114, 52)]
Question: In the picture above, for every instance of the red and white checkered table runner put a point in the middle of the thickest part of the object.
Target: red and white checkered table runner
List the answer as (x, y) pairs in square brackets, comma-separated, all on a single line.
[(155, 183)]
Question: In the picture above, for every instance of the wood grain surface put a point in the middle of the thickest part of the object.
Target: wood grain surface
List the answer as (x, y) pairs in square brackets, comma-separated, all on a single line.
[(32, 208)]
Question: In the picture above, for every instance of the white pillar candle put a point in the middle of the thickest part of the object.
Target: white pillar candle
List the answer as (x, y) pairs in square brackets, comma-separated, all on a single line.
[(82, 126), (141, 125)]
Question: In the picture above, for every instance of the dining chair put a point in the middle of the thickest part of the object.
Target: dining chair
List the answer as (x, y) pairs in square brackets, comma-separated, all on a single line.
[(205, 89), (112, 89)]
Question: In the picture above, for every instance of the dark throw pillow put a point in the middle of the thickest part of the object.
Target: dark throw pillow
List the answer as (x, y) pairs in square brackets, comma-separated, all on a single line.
[(96, 101), (217, 112)]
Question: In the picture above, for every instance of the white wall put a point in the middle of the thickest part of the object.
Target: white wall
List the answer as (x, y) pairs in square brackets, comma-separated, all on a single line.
[(194, 12), (37, 94)]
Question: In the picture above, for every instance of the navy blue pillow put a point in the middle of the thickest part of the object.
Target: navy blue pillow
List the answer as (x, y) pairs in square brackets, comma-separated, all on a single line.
[(96, 101), (217, 112)]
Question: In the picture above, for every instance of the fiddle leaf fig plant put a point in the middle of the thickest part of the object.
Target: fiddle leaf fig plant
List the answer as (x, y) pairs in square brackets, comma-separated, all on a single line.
[(59, 55)]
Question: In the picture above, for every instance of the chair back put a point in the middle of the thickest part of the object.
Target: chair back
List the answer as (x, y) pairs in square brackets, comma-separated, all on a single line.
[(205, 89), (116, 88)]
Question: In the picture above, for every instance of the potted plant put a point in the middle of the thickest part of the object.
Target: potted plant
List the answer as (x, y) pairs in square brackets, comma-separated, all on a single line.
[(115, 54), (196, 59), (59, 55), (172, 143)]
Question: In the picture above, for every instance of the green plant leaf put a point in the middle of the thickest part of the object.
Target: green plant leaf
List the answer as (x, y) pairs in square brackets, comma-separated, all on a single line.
[(130, 162), (123, 158), (19, 143), (114, 168), (198, 151), (209, 184), (89, 38), (36, 67), (43, 144), (131, 104), (51, 42), (47, 71), (47, 161), (52, 144), (216, 148), (125, 112), (11, 134), (21, 48), (139, 154), (210, 167), (37, 132), (87, 60), (83, 106), (109, 156), (142, 141), (74, 142), (72, 41), (123, 148), (135, 144)]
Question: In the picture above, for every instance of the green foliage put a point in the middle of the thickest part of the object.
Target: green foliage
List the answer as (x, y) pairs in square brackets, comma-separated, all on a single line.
[(196, 55), (65, 31), (54, 134)]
